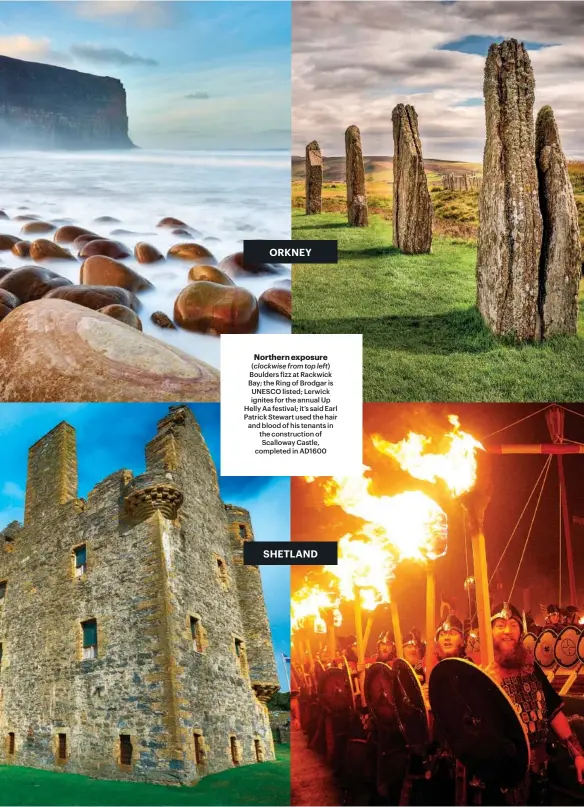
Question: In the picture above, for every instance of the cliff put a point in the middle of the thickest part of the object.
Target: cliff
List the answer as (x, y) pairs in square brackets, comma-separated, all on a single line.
[(47, 107)]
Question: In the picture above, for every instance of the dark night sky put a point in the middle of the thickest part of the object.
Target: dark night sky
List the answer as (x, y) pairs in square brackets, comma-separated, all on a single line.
[(510, 478)]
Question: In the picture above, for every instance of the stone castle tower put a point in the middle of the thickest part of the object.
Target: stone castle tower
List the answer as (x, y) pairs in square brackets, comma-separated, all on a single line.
[(134, 643)]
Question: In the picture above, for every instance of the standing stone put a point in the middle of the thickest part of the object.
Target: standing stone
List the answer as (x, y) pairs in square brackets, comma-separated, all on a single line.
[(510, 224), (356, 193), (313, 179), (412, 204), (560, 262)]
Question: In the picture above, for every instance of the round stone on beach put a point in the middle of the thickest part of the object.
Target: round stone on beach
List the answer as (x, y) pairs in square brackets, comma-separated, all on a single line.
[(32, 282), (81, 240), (106, 220), (210, 273), (8, 302), (213, 308), (192, 252), (279, 300), (69, 232), (123, 314), (170, 223), (42, 249), (101, 271), (187, 232), (21, 249), (4, 271), (26, 217), (38, 227), (96, 297), (53, 350), (4, 215), (146, 253), (162, 320), (106, 247), (235, 265), (8, 241)]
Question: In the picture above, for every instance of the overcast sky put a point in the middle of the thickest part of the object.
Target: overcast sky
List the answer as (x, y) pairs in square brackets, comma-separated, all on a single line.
[(354, 61), (198, 75)]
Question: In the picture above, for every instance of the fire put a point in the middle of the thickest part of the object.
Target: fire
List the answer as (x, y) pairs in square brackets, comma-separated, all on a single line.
[(457, 467), (365, 564), (307, 603)]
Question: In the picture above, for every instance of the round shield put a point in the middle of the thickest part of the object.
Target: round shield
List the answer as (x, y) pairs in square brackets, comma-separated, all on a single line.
[(580, 649), (379, 692), (544, 648), (529, 641), (334, 689), (479, 723), (410, 706), (566, 647)]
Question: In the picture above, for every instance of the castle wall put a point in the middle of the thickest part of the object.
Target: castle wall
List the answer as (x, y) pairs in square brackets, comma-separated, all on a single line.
[(148, 572)]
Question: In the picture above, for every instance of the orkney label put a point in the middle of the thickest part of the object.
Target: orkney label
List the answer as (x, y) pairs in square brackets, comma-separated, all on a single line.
[(290, 252), (288, 553)]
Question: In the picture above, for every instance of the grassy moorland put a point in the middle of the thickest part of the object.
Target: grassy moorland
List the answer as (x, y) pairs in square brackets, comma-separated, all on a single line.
[(423, 339), (265, 784)]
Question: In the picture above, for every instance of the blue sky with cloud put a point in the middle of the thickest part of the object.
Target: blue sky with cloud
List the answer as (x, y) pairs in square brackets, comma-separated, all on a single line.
[(113, 436), (198, 75)]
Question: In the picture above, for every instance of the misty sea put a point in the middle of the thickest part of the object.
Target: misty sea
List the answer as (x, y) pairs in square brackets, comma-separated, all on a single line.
[(227, 196)]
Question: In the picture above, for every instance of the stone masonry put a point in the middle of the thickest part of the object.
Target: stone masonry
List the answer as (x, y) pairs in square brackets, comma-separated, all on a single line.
[(184, 662)]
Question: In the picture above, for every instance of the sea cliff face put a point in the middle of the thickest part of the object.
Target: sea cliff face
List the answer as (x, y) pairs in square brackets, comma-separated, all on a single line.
[(47, 107)]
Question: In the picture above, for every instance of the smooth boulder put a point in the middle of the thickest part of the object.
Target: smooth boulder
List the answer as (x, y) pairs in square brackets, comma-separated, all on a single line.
[(38, 227), (21, 249), (279, 300), (42, 249), (8, 302), (32, 282), (96, 297), (171, 223), (162, 320), (69, 232), (81, 240), (213, 308), (8, 241), (211, 273), (235, 266), (146, 253), (105, 247), (192, 251), (123, 314), (101, 271), (52, 350)]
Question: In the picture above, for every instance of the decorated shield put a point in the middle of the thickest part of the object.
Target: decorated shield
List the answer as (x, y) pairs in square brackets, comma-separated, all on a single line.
[(580, 649), (479, 723), (528, 641), (379, 692), (334, 689), (544, 648), (410, 706), (566, 647)]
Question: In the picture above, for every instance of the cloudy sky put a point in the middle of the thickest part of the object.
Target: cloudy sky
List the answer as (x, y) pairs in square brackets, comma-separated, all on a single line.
[(354, 61), (113, 436), (197, 74)]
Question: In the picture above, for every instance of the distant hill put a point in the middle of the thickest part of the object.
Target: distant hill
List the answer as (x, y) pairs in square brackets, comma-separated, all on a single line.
[(334, 167)]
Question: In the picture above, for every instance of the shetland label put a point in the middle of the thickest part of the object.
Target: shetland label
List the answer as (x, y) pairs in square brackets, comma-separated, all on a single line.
[(287, 553)]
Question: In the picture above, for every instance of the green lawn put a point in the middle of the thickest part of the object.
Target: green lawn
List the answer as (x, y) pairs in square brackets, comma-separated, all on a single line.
[(265, 784), (423, 339)]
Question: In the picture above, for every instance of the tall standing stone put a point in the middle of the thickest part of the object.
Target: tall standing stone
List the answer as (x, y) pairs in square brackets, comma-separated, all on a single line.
[(313, 179), (510, 224), (355, 170), (560, 262), (412, 205)]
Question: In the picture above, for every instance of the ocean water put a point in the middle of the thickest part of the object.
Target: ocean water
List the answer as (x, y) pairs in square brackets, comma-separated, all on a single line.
[(226, 196)]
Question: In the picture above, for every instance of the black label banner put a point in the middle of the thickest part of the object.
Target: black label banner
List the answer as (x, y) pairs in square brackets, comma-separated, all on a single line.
[(290, 252), (290, 553)]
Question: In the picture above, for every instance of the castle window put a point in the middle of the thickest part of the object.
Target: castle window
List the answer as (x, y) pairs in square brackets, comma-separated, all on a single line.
[(1, 651), (11, 743), (234, 750), (196, 634), (62, 746), (243, 532), (222, 569), (241, 654), (89, 639), (238, 647), (2, 589), (126, 749), (258, 751), (80, 559), (199, 748)]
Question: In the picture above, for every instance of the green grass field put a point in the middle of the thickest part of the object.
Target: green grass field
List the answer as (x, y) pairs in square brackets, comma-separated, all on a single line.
[(423, 339), (265, 784)]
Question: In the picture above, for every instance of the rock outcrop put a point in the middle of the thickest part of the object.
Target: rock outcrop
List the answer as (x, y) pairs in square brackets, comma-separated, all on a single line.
[(356, 193), (48, 107), (313, 179), (561, 258), (412, 204), (510, 223)]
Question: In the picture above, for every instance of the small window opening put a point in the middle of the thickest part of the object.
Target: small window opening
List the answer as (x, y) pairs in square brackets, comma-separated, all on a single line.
[(2, 589), (11, 743), (243, 532), (1, 652), (126, 749), (258, 751), (234, 754), (89, 639), (222, 569), (238, 647), (196, 634), (62, 746), (80, 553), (199, 748)]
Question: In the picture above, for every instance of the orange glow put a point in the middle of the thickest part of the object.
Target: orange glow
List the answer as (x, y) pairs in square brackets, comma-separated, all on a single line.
[(307, 603), (365, 564), (457, 467)]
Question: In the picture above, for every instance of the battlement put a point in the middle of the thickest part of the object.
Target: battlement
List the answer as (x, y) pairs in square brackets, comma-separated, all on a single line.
[(150, 492)]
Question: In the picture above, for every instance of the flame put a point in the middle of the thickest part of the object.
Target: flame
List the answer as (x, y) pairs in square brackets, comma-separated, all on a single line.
[(307, 603), (365, 564), (457, 467)]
